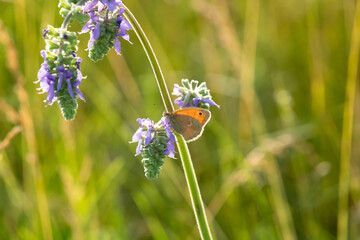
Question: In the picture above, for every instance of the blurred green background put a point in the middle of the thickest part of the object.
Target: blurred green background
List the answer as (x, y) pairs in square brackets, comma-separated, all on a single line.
[(279, 160)]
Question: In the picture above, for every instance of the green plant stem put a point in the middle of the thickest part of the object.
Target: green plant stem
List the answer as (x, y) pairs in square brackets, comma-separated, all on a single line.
[(189, 171), (194, 189)]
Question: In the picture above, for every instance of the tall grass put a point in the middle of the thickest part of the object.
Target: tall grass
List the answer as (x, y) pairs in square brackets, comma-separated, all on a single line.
[(279, 160)]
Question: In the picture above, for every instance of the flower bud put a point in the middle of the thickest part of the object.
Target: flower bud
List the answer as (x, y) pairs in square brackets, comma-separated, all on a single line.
[(193, 95)]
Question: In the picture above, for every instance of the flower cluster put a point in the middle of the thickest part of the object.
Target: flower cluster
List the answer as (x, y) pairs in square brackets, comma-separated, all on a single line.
[(155, 141), (106, 25), (193, 95), (59, 75)]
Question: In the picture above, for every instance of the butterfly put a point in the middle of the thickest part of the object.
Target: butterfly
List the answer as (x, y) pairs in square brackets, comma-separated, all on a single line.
[(189, 122)]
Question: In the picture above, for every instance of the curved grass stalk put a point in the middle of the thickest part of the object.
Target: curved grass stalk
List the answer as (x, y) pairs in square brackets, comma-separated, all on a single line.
[(189, 171)]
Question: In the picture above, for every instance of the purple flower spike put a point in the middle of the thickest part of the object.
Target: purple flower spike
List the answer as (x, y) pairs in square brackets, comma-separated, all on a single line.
[(147, 132), (155, 141), (193, 94)]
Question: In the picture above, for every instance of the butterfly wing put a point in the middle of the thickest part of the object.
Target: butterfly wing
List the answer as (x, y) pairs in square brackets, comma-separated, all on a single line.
[(189, 127), (200, 114), (189, 122)]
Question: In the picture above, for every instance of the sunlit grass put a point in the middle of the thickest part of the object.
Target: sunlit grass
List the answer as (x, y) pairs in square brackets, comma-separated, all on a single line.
[(267, 164)]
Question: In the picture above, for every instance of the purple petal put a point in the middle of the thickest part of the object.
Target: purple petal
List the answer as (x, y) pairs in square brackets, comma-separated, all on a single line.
[(101, 7), (170, 135), (117, 45), (46, 31), (148, 137), (121, 11), (148, 123), (196, 101), (111, 5), (138, 149), (96, 31), (91, 42), (164, 121), (51, 93), (188, 105), (59, 81), (90, 5), (179, 102), (125, 36), (70, 88), (42, 72), (79, 93), (45, 84), (87, 27), (170, 149), (79, 76), (68, 74), (94, 17), (60, 69), (176, 90), (209, 101), (78, 61), (137, 135), (43, 54), (140, 121), (125, 25)]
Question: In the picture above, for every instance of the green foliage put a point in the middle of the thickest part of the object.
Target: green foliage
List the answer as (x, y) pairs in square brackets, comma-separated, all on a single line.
[(67, 104), (267, 163)]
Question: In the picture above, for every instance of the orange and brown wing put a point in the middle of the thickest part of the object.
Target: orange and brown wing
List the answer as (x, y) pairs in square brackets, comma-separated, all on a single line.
[(189, 122), (189, 127), (200, 114)]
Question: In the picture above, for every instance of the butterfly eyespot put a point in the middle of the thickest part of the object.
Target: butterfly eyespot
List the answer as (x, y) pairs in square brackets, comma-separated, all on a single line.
[(200, 113)]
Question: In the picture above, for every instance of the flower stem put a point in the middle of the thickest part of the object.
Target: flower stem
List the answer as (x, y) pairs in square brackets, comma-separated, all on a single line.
[(194, 189), (189, 170)]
